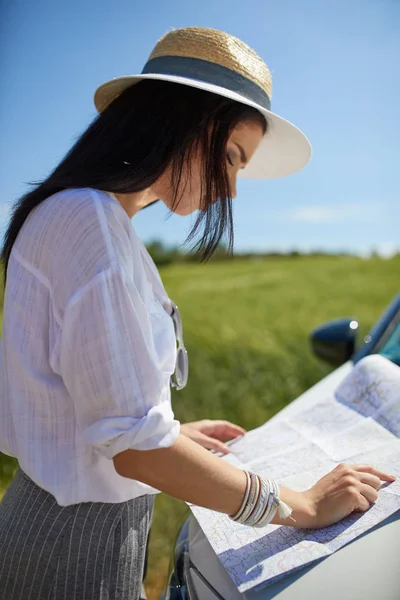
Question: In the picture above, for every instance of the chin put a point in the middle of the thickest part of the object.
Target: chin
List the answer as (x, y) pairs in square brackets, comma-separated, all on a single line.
[(184, 211)]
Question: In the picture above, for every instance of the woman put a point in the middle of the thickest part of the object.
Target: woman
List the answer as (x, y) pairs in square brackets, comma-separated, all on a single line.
[(89, 333)]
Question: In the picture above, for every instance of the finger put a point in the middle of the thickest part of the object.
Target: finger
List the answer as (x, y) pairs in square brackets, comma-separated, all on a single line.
[(373, 471), (362, 504), (236, 429), (228, 426), (369, 479), (368, 492), (225, 430), (214, 444)]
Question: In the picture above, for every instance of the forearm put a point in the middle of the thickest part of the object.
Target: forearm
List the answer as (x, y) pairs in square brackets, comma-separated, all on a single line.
[(189, 472)]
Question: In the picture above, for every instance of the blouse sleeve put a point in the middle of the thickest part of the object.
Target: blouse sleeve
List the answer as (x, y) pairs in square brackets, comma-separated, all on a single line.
[(110, 367)]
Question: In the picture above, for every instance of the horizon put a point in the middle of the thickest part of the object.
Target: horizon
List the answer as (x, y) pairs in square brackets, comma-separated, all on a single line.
[(332, 68)]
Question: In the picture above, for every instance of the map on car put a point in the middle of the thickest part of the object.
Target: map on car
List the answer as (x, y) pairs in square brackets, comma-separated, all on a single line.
[(358, 423)]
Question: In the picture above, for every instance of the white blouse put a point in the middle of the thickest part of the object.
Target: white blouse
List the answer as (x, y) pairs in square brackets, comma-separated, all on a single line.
[(88, 349)]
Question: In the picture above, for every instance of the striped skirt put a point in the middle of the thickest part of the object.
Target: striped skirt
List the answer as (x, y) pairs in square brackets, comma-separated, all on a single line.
[(88, 551)]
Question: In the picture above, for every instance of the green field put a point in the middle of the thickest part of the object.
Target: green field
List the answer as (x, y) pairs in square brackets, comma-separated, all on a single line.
[(246, 326)]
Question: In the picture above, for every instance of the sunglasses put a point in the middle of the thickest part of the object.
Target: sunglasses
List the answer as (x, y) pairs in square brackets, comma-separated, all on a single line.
[(180, 376)]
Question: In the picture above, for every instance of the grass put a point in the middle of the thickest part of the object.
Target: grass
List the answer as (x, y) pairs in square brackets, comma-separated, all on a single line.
[(246, 325)]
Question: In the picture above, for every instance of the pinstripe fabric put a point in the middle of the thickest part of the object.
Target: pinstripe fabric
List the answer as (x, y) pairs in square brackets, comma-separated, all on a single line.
[(88, 551)]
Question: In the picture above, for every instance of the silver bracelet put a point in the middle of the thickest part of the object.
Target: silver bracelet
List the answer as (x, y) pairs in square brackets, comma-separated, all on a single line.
[(256, 509), (252, 500), (268, 514), (245, 498), (274, 504), (262, 503)]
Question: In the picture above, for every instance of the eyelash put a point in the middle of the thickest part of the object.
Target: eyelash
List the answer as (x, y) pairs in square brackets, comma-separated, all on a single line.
[(229, 159)]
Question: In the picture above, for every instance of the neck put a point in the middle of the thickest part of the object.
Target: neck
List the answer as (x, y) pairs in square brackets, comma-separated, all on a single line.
[(132, 203)]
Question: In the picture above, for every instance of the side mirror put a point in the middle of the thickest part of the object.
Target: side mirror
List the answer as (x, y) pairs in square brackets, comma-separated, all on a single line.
[(335, 342)]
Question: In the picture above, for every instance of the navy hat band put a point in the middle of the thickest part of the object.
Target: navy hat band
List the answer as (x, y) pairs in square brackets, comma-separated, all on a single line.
[(203, 70)]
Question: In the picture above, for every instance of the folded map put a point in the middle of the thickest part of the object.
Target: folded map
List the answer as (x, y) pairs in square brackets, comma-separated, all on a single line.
[(358, 423)]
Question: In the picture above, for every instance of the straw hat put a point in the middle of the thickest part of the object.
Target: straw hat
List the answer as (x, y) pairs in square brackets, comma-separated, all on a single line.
[(222, 64)]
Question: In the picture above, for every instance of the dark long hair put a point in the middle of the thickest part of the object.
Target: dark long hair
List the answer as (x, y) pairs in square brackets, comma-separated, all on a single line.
[(150, 126)]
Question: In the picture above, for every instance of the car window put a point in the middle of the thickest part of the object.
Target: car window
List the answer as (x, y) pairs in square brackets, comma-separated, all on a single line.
[(391, 348)]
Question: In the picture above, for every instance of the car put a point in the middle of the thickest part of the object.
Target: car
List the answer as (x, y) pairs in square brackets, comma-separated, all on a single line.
[(368, 567)]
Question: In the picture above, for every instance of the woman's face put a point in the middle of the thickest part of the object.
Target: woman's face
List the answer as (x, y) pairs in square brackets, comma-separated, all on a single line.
[(242, 143)]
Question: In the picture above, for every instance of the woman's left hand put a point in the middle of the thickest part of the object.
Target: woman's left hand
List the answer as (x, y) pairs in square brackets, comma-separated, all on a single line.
[(212, 434)]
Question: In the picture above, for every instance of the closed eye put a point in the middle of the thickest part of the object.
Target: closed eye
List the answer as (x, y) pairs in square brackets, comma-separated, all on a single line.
[(229, 158)]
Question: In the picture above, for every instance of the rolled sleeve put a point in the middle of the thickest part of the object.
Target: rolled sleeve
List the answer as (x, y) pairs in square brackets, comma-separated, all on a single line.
[(113, 371)]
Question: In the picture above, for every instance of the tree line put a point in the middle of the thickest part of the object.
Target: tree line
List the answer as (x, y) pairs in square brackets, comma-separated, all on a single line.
[(165, 255)]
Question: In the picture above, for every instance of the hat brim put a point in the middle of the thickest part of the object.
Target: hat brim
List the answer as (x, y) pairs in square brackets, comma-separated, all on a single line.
[(282, 151)]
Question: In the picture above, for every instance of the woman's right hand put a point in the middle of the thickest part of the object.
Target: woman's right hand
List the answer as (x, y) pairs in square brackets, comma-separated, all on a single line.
[(346, 489), (187, 471)]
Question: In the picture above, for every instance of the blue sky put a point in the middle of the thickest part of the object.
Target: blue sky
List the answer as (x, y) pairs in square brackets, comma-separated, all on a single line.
[(335, 75)]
